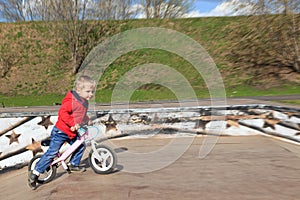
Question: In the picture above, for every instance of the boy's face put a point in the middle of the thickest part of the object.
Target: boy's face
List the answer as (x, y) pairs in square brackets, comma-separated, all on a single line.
[(87, 92)]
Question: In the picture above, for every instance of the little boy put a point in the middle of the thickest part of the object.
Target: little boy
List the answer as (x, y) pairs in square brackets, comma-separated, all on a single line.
[(72, 113)]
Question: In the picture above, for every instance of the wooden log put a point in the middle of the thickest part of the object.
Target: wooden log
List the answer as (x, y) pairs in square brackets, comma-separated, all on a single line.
[(14, 153), (19, 123), (232, 117), (275, 134)]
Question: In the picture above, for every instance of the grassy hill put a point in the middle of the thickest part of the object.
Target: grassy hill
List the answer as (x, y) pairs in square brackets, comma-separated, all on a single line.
[(39, 70)]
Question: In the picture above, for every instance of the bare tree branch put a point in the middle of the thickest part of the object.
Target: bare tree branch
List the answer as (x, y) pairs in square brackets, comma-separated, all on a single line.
[(166, 8), (275, 35)]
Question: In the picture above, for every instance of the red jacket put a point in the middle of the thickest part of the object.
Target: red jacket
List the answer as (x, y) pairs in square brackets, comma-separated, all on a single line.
[(72, 111)]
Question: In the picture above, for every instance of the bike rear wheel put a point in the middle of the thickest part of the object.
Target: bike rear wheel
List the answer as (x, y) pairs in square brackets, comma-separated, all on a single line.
[(49, 173), (107, 162)]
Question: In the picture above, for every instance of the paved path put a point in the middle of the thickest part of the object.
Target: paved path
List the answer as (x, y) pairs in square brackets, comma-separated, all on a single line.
[(252, 167), (52, 110)]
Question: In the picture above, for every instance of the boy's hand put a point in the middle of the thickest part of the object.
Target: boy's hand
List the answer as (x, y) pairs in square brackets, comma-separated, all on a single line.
[(75, 128), (90, 122)]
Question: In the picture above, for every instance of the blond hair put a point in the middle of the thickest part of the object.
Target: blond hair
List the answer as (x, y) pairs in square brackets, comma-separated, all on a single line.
[(82, 80)]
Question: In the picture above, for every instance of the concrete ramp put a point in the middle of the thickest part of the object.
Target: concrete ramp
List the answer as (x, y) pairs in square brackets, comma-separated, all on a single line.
[(252, 167), (22, 129)]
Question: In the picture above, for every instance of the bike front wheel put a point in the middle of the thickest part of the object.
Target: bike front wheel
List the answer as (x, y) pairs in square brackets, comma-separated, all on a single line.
[(106, 162), (49, 173)]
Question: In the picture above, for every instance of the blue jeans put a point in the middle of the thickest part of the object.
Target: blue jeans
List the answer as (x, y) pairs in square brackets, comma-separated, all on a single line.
[(58, 138)]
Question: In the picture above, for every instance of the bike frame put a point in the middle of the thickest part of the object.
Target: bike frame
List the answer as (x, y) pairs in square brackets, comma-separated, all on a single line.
[(62, 157)]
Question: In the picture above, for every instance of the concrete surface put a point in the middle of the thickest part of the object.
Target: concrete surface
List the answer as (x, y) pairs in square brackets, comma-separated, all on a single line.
[(249, 167)]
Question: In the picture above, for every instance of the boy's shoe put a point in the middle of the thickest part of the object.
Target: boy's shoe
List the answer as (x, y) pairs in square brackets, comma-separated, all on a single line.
[(74, 168), (32, 180)]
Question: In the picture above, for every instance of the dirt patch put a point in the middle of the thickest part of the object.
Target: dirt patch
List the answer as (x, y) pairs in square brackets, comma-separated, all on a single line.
[(270, 77)]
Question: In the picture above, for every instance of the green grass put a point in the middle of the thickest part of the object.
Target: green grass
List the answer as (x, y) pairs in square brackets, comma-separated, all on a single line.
[(244, 91), (292, 102), (48, 61), (105, 96), (152, 94), (31, 100)]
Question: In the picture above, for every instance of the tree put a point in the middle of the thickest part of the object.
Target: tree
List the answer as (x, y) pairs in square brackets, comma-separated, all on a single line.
[(165, 8), (116, 9), (7, 59), (12, 10), (70, 16), (77, 20), (273, 35)]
